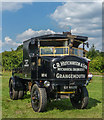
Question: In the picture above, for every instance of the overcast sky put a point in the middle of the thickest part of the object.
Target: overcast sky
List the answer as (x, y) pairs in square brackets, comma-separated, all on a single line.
[(21, 21)]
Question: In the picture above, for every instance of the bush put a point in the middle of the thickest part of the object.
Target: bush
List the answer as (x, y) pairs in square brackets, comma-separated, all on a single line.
[(97, 64), (12, 59)]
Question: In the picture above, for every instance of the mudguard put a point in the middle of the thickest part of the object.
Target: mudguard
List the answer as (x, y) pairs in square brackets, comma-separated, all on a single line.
[(17, 84)]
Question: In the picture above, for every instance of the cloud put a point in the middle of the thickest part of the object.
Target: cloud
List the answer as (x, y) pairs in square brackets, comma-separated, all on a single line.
[(82, 18), (31, 33), (19, 1), (52, 0), (0, 44), (9, 43), (13, 6), (27, 34), (7, 39)]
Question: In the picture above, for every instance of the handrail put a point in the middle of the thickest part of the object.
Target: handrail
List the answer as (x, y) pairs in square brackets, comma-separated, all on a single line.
[(80, 49), (55, 47)]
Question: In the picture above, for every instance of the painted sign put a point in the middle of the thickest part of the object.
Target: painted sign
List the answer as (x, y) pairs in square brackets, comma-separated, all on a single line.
[(70, 69), (26, 63)]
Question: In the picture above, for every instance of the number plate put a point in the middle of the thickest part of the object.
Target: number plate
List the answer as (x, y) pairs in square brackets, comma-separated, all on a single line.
[(70, 87)]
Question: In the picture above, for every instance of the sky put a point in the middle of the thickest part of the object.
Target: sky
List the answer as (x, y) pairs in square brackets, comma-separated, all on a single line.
[(23, 20)]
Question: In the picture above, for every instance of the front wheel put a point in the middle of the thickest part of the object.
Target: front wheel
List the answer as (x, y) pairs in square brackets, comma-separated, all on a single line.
[(79, 100), (38, 98)]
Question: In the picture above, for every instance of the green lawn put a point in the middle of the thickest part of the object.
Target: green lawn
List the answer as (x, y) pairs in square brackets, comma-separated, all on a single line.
[(56, 109)]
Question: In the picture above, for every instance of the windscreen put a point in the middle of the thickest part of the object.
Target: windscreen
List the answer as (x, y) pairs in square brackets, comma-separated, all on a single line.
[(54, 51), (59, 48)]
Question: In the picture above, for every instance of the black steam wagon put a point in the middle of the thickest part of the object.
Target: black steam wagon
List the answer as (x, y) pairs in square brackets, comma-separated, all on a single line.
[(53, 65)]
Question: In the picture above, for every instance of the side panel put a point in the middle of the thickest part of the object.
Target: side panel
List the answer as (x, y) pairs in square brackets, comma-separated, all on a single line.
[(26, 61), (44, 70), (34, 60)]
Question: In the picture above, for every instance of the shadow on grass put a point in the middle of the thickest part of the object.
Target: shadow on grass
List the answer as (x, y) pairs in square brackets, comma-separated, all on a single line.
[(92, 103), (1, 74), (65, 104), (27, 96)]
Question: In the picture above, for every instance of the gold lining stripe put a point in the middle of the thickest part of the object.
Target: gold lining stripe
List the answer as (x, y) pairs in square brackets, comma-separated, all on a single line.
[(54, 54), (54, 40), (78, 41), (39, 62), (54, 47), (64, 39), (66, 92)]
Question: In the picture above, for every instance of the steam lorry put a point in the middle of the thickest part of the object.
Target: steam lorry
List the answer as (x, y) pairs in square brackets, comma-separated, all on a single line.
[(53, 65)]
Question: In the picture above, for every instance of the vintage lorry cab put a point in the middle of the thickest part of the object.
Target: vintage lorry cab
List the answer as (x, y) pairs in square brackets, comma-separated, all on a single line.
[(53, 65)]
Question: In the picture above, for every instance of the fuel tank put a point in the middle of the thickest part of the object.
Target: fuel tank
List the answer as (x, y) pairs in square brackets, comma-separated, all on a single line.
[(64, 69)]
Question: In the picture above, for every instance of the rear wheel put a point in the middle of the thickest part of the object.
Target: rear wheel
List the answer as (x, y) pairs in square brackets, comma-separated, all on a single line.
[(38, 98), (12, 92), (79, 100), (20, 94)]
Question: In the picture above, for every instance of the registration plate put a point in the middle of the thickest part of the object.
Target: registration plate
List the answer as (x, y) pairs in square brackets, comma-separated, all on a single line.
[(70, 87)]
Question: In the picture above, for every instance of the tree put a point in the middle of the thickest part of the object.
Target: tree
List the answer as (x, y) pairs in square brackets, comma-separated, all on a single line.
[(19, 47), (92, 53)]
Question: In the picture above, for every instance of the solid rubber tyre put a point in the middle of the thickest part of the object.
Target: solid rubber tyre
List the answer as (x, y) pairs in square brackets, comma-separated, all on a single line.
[(12, 92), (38, 98), (20, 94), (79, 100)]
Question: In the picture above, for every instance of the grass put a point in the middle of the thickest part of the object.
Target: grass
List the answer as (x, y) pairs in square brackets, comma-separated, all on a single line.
[(55, 109), (97, 73)]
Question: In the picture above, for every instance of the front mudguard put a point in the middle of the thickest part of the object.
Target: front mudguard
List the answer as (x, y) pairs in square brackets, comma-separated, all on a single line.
[(40, 85)]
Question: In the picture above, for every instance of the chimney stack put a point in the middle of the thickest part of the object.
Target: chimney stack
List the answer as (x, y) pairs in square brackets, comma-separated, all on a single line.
[(67, 33)]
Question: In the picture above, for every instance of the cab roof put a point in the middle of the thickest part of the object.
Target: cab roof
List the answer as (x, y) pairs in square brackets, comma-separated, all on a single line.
[(64, 36)]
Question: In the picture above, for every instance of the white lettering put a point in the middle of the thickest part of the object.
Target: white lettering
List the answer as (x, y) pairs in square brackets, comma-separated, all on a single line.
[(78, 69), (70, 69), (65, 63), (44, 75), (64, 69), (54, 66), (58, 65), (74, 76)]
